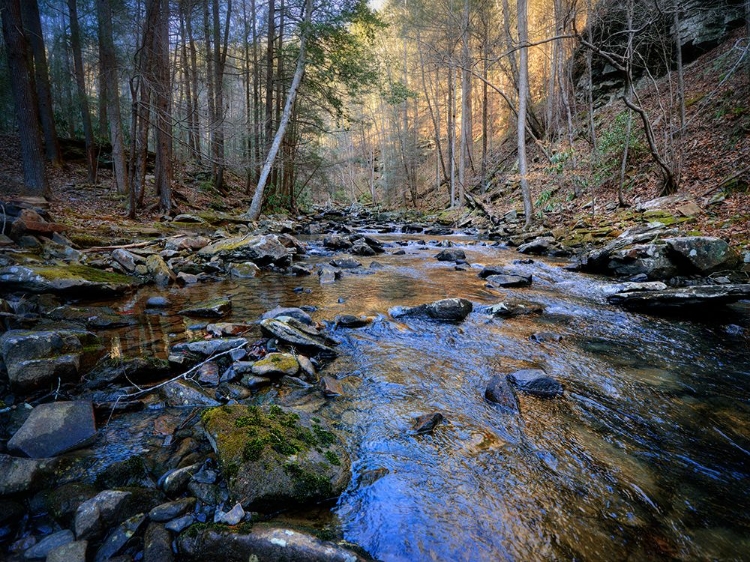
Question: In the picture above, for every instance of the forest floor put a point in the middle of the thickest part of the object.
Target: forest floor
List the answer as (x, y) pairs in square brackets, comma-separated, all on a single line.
[(715, 177)]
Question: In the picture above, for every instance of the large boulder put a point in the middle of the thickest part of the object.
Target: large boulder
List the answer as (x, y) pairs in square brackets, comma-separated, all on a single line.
[(451, 254), (159, 270), (272, 457), (263, 542), (261, 250), (649, 259), (701, 254), (65, 279), (35, 359), (54, 428)]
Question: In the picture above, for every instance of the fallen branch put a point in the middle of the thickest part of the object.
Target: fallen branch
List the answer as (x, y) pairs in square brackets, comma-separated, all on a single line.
[(119, 247), (184, 376), (725, 181)]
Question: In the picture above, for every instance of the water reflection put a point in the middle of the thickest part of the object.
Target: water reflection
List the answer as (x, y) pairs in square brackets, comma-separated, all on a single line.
[(646, 457)]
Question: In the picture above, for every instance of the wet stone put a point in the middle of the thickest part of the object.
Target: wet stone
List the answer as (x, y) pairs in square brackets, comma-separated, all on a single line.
[(157, 302), (180, 524), (275, 365), (231, 517), (19, 475), (49, 543), (536, 382), (451, 254), (545, 337), (171, 510), (174, 481), (246, 270), (95, 515), (499, 392), (328, 274), (157, 544), (214, 308), (120, 537), (291, 312), (331, 387), (181, 393), (54, 428), (427, 422), (210, 347), (512, 308), (345, 263), (351, 321), (509, 280), (71, 552)]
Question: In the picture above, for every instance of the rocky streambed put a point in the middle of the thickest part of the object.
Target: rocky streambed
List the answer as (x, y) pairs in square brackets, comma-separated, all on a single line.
[(343, 389)]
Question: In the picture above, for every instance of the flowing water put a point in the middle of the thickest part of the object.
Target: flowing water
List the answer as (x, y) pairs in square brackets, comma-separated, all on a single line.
[(646, 457)]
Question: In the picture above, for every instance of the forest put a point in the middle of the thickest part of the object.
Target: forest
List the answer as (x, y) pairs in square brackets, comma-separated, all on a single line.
[(374, 280)]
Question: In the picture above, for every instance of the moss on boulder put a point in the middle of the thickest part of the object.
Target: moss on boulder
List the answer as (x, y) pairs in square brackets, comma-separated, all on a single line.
[(272, 457)]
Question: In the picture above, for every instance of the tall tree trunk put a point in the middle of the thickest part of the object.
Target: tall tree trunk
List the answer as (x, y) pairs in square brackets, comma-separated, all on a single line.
[(466, 121), (109, 67), (27, 113), (210, 95), (590, 82), (162, 108), (190, 108), (83, 99), (33, 30), (257, 202), (220, 57), (433, 117), (452, 134), (485, 101), (269, 74), (523, 80), (679, 152), (258, 133)]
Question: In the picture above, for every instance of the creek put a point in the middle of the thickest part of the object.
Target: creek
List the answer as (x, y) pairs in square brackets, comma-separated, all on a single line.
[(646, 455)]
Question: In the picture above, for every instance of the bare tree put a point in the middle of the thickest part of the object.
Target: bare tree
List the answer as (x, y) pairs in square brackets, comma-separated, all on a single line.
[(83, 99), (523, 86)]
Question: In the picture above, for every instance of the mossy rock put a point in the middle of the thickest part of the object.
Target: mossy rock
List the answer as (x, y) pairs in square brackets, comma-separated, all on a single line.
[(276, 365), (271, 457), (68, 279)]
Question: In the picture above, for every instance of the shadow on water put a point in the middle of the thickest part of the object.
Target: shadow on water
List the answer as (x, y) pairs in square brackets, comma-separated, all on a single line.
[(646, 457)]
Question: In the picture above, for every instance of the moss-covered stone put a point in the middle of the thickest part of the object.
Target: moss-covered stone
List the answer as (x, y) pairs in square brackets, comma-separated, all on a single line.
[(274, 457), (77, 279), (276, 364)]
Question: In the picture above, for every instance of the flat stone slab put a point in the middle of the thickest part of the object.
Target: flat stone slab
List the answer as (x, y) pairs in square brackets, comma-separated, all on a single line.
[(70, 280), (682, 299), (54, 428)]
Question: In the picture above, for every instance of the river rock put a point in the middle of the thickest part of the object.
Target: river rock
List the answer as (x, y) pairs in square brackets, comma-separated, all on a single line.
[(535, 382), (182, 393), (157, 544), (95, 515), (138, 370), (282, 458), (245, 270), (121, 536), (649, 259), (41, 549), (509, 280), (261, 250), (682, 299), (336, 242), (210, 347), (345, 263), (331, 387), (451, 254), (361, 248), (174, 481), (191, 243), (231, 517), (542, 245), (159, 270), (263, 542), (292, 312), (351, 321), (171, 510), (276, 365), (426, 422), (447, 310), (328, 274), (64, 279), (71, 552), (291, 334), (37, 359), (701, 254), (512, 308), (181, 523), (214, 308), (54, 428), (499, 392), (126, 259), (19, 475)]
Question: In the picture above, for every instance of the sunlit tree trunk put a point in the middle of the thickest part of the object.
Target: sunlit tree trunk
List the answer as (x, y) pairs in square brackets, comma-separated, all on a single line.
[(523, 79), (162, 108)]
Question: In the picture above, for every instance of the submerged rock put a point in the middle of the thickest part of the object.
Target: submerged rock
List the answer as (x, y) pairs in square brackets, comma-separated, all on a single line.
[(682, 299), (351, 321), (509, 280), (512, 308), (292, 312), (281, 458), (499, 392), (345, 263), (263, 542), (210, 347), (331, 387), (536, 382), (291, 334), (427, 422), (54, 428), (214, 308)]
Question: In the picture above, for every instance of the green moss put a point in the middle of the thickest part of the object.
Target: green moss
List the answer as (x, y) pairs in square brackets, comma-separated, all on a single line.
[(332, 458), (308, 484), (82, 272)]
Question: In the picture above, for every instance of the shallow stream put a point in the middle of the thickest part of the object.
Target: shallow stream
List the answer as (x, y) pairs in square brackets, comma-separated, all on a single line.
[(647, 455)]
